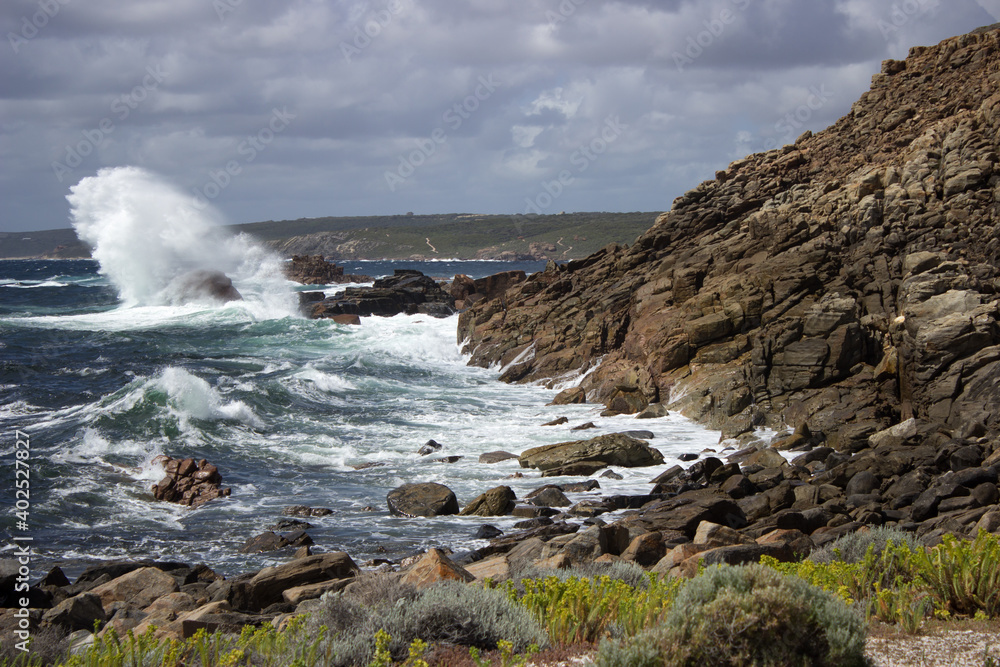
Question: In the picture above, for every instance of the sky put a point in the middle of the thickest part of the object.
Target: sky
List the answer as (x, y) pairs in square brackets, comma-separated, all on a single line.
[(307, 108)]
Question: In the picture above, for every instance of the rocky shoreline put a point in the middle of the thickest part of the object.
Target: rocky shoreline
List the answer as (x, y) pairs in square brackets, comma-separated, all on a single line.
[(842, 292)]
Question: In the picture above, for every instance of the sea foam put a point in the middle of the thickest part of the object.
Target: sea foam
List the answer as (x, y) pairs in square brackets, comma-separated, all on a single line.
[(146, 233)]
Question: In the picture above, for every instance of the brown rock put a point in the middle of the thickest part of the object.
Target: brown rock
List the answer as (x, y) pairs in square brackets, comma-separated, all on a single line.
[(570, 396), (422, 499), (138, 588), (435, 567), (615, 449), (497, 501)]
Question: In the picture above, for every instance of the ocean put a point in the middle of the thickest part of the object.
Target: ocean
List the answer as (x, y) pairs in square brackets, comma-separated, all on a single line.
[(105, 371)]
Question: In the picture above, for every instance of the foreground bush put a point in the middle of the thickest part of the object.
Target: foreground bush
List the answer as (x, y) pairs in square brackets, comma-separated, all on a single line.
[(449, 613), (575, 609), (903, 583), (746, 615)]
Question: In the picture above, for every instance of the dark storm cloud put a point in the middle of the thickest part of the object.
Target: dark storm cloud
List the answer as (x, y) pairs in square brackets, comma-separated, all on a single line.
[(473, 106)]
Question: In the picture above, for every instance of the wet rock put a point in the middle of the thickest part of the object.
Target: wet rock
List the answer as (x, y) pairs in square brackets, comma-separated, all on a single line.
[(574, 395), (611, 474), (496, 457), (425, 499), (488, 532), (202, 285), (406, 291), (429, 447), (558, 421), (304, 510), (548, 496), (606, 450), (497, 501), (188, 483), (315, 270), (584, 427)]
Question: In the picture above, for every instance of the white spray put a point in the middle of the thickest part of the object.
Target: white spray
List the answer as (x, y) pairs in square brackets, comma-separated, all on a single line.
[(145, 233)]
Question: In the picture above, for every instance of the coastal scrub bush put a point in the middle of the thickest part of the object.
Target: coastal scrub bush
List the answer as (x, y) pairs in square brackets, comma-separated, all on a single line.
[(449, 613), (747, 615), (579, 609), (853, 547), (962, 577), (624, 571)]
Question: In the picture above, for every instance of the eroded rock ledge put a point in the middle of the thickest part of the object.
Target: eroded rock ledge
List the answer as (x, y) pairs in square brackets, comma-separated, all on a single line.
[(848, 282)]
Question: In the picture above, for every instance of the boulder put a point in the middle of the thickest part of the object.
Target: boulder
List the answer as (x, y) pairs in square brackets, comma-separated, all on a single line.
[(496, 457), (570, 396), (138, 588), (202, 285), (425, 499), (497, 501), (433, 567), (266, 587), (315, 270), (429, 447), (548, 496), (646, 549), (77, 613), (615, 449), (188, 483), (406, 291)]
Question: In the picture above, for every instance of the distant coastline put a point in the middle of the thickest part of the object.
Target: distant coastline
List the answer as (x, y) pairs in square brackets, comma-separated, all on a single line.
[(458, 236)]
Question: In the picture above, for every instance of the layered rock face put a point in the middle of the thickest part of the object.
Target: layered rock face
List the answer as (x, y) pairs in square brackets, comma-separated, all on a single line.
[(849, 281)]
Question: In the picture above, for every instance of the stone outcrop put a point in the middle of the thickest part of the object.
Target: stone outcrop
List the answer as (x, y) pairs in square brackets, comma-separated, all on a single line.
[(615, 449), (406, 291), (848, 281), (314, 270), (467, 291), (188, 483)]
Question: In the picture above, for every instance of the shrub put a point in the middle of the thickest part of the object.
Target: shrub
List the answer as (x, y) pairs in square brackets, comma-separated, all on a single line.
[(450, 612), (963, 577), (585, 610), (853, 547), (742, 615)]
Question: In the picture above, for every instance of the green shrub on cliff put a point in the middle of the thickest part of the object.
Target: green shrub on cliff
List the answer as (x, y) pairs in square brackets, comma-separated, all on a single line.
[(747, 615)]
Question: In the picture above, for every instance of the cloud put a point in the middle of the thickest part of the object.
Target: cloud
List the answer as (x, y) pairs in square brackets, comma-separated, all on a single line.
[(368, 82)]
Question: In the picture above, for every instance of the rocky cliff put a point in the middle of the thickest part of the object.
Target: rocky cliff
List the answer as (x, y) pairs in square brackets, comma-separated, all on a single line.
[(847, 282)]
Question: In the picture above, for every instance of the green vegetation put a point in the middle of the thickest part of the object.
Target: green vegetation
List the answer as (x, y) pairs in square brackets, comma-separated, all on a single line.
[(772, 613), (746, 615), (452, 235)]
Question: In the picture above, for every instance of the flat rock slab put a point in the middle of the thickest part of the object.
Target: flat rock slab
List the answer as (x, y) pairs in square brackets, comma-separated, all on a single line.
[(614, 449)]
